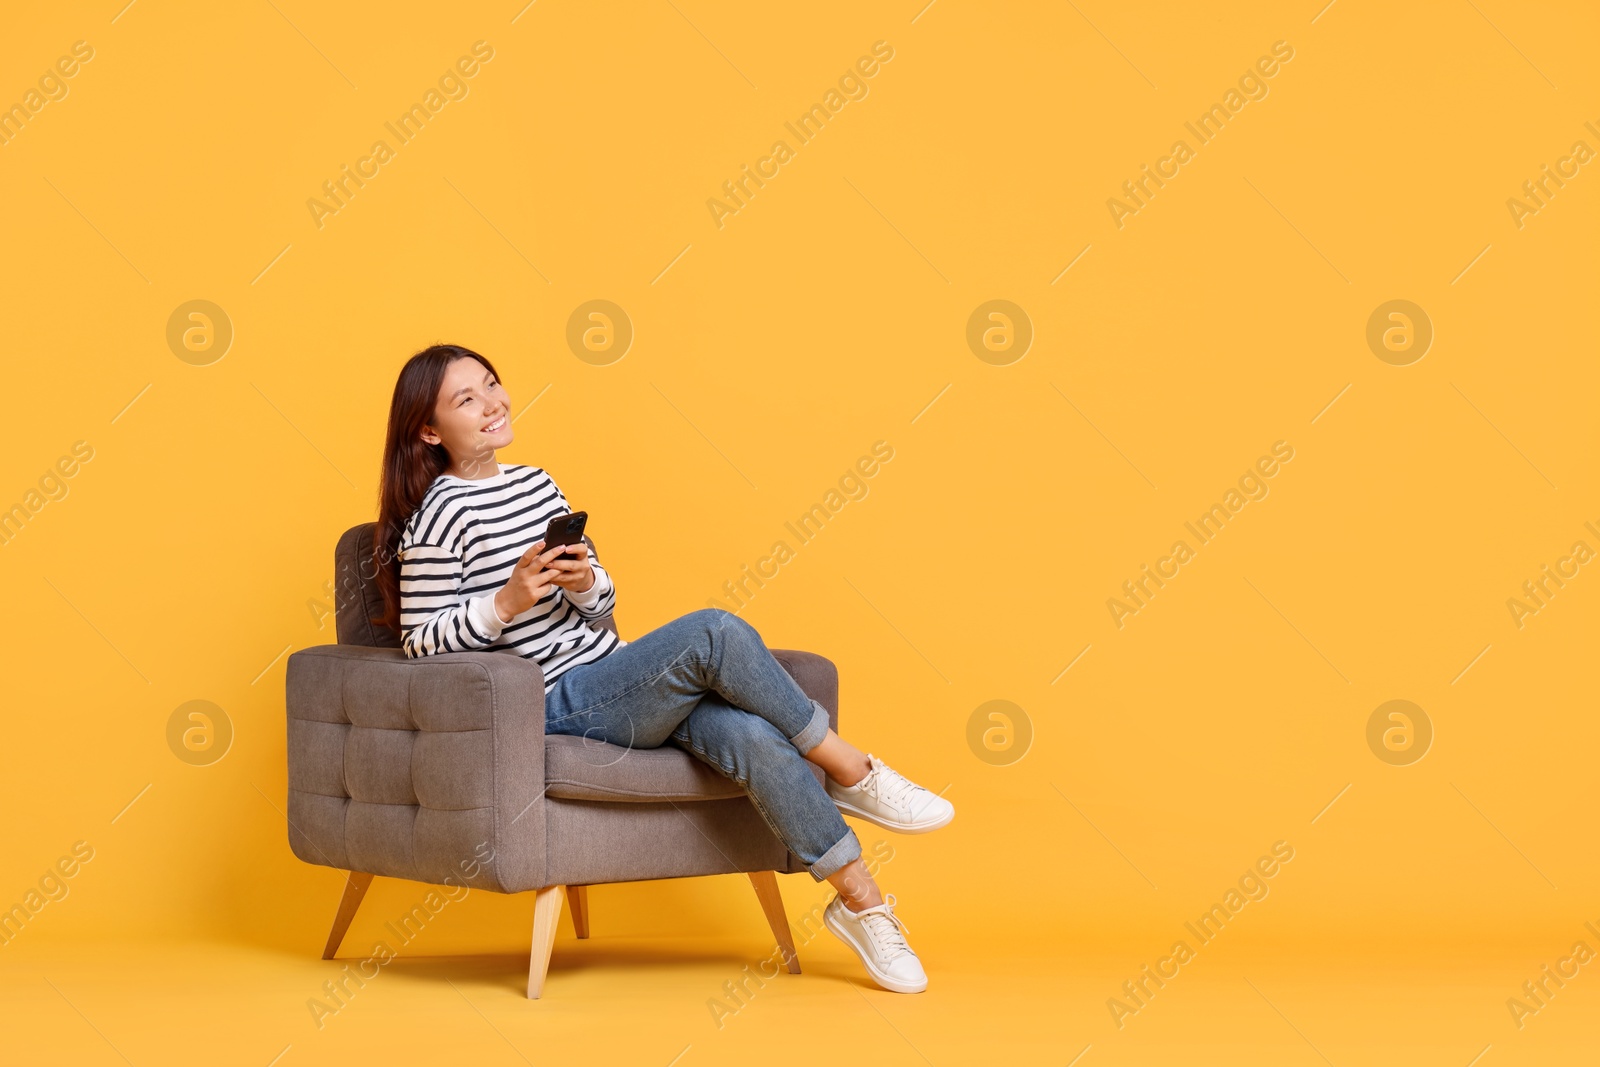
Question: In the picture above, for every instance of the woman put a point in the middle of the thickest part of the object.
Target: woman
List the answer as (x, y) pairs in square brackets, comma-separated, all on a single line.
[(468, 571)]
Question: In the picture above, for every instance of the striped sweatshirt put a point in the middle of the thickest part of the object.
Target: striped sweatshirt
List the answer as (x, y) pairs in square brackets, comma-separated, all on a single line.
[(459, 548)]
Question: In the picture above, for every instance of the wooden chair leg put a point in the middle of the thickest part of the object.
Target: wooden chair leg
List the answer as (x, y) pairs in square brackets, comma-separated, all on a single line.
[(546, 913), (766, 883), (354, 890), (578, 902)]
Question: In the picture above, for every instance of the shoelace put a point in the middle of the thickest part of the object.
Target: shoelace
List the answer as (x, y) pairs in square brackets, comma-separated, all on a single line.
[(892, 787), (888, 931)]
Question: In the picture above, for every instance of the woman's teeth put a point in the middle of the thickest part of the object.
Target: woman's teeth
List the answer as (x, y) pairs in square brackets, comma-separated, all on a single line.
[(496, 426)]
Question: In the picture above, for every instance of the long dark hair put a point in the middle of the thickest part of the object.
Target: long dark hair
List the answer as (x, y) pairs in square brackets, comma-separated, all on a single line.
[(410, 464)]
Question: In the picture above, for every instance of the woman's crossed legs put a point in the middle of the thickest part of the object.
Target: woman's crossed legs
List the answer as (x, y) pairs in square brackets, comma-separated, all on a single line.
[(707, 683)]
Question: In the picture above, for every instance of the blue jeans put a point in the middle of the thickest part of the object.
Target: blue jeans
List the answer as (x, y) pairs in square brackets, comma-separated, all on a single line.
[(707, 683)]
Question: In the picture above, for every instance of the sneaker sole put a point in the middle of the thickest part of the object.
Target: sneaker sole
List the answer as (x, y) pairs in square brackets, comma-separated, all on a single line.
[(892, 984), (904, 828)]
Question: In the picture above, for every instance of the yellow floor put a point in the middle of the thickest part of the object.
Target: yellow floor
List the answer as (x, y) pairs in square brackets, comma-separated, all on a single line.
[(645, 1000)]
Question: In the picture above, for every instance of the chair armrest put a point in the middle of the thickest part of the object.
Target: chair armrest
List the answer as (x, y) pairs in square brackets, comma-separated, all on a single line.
[(430, 769)]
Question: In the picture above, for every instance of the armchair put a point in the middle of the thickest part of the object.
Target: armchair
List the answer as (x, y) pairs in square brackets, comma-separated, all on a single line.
[(438, 770)]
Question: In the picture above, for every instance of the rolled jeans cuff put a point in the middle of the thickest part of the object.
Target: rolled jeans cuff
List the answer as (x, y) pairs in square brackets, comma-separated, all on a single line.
[(846, 850), (813, 732)]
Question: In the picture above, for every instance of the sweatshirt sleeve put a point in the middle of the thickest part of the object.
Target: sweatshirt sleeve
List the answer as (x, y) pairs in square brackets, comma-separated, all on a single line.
[(433, 617), (590, 598)]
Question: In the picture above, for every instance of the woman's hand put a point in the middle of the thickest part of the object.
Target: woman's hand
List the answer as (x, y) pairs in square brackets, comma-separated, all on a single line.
[(577, 575), (534, 574)]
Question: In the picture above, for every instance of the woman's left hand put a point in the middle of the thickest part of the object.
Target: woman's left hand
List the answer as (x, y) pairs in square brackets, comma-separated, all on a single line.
[(577, 576)]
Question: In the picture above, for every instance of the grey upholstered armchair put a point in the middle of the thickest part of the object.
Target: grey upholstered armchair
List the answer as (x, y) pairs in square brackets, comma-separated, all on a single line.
[(438, 770)]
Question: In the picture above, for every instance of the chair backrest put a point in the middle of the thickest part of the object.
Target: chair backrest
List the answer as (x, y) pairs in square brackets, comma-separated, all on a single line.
[(357, 602)]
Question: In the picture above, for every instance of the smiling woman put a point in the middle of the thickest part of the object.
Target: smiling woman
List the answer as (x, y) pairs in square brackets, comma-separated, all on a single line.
[(462, 533), (472, 574)]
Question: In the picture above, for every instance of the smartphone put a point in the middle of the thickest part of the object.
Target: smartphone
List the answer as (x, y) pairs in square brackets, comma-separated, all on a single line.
[(565, 530)]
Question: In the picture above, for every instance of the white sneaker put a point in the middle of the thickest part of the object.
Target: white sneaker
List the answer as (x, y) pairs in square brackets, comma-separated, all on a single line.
[(891, 800), (878, 937)]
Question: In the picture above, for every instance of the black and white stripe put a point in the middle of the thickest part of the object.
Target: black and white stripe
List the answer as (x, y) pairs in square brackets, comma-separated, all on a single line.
[(457, 551)]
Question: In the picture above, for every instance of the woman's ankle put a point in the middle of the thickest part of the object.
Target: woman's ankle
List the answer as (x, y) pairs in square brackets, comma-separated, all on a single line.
[(840, 760), (854, 778), (848, 771), (856, 887)]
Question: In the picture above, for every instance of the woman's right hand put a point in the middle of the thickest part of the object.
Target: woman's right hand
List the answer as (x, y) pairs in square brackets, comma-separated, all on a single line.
[(529, 582)]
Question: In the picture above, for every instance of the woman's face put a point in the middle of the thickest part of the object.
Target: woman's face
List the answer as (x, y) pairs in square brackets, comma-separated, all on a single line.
[(471, 418)]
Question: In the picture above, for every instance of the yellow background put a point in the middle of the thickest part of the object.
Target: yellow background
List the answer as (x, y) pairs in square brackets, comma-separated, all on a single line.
[(189, 557)]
